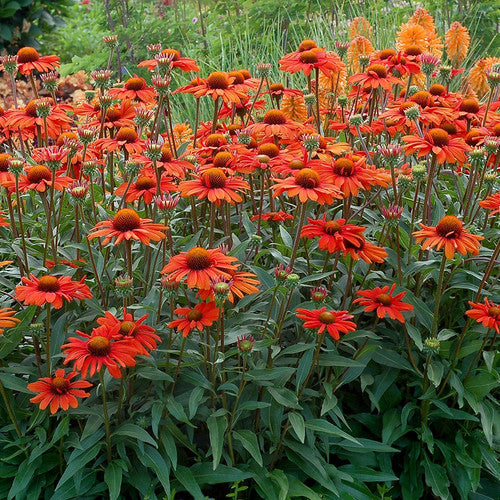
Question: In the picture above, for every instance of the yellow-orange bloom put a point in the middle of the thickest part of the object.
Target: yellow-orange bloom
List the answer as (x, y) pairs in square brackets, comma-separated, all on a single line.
[(457, 43), (477, 75), (294, 107), (409, 35), (424, 19), (360, 26), (360, 45)]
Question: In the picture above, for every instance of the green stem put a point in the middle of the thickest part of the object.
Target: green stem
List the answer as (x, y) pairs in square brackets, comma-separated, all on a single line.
[(106, 416)]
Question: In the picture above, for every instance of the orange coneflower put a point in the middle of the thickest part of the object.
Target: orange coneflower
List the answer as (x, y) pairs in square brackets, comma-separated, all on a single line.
[(167, 163), (440, 143), (126, 138), (450, 234), (218, 84), (457, 43), (275, 123), (375, 76), (334, 322), (28, 59), (104, 346), (307, 60), (5, 176), (491, 202), (350, 174), (183, 63), (39, 178), (59, 391), (333, 234), (135, 89), (308, 185), (202, 315), (279, 216), (144, 187), (126, 225), (118, 115), (52, 290), (240, 283), (366, 251), (7, 319), (143, 337), (488, 314), (28, 120), (199, 265), (214, 185), (384, 302)]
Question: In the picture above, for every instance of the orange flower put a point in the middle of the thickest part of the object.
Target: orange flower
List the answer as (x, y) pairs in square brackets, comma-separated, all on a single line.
[(199, 265), (50, 289), (29, 59), (218, 84), (492, 202), (214, 185), (294, 107), (312, 58), (411, 35), (275, 123), (374, 77), (457, 43), (240, 284), (39, 178), (126, 225), (365, 251), (143, 337), (308, 185), (171, 166), (437, 141), (450, 234), (360, 26), (59, 391), (183, 63), (384, 302), (359, 46), (144, 187), (6, 319), (350, 175), (135, 89), (102, 347), (488, 314), (334, 322), (199, 317), (477, 75), (333, 234), (125, 137)]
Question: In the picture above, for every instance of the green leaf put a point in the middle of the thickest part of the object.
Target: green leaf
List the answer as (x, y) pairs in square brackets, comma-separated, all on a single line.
[(77, 461), (280, 478), (216, 429), (284, 397), (303, 369), (298, 425), (222, 474), (366, 474), (23, 476), (194, 400), (249, 441), (153, 460), (136, 432), (487, 418), (436, 478), (187, 479), (325, 427), (480, 385), (113, 478)]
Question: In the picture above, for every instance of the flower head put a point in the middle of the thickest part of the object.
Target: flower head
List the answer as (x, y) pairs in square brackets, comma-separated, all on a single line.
[(384, 302), (488, 314), (103, 347), (199, 317), (7, 319), (450, 234), (59, 391), (126, 225), (335, 322), (50, 289)]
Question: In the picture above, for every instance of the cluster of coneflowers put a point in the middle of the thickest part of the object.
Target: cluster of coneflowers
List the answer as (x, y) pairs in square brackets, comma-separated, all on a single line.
[(365, 133)]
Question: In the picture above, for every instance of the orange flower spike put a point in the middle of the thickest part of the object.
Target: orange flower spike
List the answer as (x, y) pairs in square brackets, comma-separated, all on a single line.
[(59, 391), (450, 234), (457, 43)]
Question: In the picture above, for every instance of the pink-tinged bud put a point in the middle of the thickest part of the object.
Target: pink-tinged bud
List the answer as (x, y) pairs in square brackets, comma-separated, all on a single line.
[(319, 294), (245, 343)]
